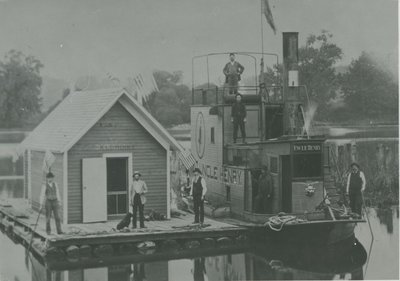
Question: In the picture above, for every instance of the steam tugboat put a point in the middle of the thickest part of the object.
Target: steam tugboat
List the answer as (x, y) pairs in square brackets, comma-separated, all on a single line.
[(305, 204)]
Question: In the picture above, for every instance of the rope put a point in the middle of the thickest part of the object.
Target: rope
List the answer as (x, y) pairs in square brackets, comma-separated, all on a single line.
[(276, 223)]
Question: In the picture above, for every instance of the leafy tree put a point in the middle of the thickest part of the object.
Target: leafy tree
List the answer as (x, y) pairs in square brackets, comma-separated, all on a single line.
[(370, 91), (20, 84), (316, 69), (171, 105)]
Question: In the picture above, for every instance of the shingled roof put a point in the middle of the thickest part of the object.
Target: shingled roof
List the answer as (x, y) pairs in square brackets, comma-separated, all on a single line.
[(79, 111)]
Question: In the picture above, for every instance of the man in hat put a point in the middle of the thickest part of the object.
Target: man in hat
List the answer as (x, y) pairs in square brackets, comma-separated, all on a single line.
[(232, 71), (355, 187), (265, 190), (50, 199), (198, 190), (137, 192), (238, 118)]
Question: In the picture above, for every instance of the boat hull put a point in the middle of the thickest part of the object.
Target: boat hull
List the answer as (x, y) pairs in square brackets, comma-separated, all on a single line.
[(316, 233)]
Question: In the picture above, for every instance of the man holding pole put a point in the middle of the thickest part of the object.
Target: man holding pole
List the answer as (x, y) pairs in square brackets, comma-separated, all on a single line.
[(355, 187), (50, 199)]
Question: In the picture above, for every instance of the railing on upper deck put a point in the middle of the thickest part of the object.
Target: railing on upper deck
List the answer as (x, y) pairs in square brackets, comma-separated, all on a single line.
[(251, 94)]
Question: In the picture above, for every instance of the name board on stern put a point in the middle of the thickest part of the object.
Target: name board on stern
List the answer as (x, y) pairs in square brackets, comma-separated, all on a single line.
[(307, 147)]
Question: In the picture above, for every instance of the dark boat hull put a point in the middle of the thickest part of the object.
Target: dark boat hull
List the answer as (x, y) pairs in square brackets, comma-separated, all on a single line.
[(316, 233), (315, 229)]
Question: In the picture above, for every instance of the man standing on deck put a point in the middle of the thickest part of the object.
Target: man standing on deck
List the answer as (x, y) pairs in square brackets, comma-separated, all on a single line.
[(198, 191), (232, 71), (50, 199), (137, 192), (265, 190), (355, 187), (238, 118)]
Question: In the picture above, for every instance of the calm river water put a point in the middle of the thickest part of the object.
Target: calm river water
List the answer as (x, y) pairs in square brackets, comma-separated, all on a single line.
[(259, 262)]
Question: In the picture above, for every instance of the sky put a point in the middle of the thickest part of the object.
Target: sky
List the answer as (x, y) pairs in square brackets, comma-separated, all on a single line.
[(73, 38)]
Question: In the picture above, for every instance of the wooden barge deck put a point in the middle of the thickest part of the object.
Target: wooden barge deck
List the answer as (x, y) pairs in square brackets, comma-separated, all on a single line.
[(102, 239)]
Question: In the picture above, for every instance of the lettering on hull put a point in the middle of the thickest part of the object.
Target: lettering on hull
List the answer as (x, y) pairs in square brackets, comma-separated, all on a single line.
[(222, 174)]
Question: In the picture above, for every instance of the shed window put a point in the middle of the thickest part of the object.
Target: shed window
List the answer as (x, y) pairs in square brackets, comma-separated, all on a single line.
[(212, 135), (307, 165)]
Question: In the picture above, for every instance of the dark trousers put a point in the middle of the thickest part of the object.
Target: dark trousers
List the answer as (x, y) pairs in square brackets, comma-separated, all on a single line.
[(236, 125), (233, 83), (355, 202), (263, 204), (52, 206), (137, 204), (198, 209)]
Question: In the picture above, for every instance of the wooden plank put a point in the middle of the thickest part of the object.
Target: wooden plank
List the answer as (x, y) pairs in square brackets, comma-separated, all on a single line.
[(144, 236)]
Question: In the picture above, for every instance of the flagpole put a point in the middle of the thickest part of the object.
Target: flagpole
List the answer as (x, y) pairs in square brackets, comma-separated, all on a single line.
[(262, 29)]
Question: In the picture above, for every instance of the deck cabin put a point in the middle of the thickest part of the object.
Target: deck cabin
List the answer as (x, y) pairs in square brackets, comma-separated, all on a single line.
[(277, 137)]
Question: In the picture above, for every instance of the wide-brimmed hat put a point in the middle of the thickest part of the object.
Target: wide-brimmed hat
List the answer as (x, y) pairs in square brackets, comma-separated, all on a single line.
[(197, 170), (136, 173), (49, 175), (355, 164)]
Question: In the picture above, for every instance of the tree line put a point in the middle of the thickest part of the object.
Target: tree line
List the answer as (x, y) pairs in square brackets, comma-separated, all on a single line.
[(365, 91)]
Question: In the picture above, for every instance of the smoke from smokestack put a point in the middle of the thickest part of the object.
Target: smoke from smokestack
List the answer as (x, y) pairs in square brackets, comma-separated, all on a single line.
[(308, 116)]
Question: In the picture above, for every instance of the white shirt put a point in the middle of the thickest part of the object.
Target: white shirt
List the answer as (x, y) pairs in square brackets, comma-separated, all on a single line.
[(362, 179), (203, 184), (139, 186), (43, 192)]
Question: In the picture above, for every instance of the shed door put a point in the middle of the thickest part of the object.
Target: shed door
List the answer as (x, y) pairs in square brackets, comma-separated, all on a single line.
[(94, 180)]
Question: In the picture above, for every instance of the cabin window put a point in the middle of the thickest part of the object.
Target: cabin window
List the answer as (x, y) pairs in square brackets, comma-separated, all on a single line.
[(212, 134), (228, 193), (307, 165), (273, 164)]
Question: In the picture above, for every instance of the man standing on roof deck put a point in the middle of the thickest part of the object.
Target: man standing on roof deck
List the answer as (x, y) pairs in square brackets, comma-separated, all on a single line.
[(355, 187), (50, 199), (232, 71), (238, 118), (137, 192), (198, 190)]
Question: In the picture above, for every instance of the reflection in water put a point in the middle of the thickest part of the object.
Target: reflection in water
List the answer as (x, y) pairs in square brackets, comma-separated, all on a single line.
[(385, 216), (199, 269), (239, 266), (138, 272)]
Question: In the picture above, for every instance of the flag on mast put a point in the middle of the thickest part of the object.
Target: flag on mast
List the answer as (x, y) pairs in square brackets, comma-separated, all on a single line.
[(48, 160), (142, 85), (266, 10)]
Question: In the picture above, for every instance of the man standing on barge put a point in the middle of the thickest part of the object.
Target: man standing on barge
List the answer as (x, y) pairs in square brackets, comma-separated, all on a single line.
[(50, 199), (355, 187), (137, 192), (198, 190)]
